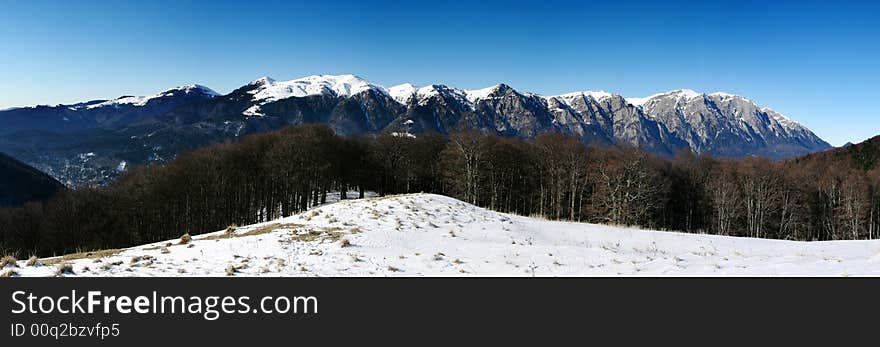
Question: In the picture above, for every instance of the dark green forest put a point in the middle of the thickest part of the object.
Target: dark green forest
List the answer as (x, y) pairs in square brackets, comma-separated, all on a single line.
[(827, 196)]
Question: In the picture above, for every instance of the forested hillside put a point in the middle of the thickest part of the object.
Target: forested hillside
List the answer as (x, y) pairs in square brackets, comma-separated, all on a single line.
[(270, 175), (20, 183), (864, 156)]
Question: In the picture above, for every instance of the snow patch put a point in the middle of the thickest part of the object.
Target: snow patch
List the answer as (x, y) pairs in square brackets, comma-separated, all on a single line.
[(570, 97), (479, 94), (781, 119), (336, 85), (404, 93), (679, 94)]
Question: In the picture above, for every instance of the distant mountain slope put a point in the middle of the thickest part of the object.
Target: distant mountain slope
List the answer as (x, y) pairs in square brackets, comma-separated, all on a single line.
[(104, 114), (90, 143), (20, 183)]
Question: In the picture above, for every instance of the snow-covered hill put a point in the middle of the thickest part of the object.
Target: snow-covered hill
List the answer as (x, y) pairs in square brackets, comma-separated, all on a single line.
[(432, 235)]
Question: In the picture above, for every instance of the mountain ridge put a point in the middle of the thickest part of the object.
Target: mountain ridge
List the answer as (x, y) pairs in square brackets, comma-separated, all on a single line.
[(146, 129)]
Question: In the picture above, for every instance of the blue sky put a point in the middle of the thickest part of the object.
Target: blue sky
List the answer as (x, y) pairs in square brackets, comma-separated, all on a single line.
[(816, 62)]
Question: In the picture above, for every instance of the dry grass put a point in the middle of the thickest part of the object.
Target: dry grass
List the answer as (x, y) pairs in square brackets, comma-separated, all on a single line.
[(185, 239), (330, 233), (138, 258), (82, 255), (64, 269), (393, 269), (230, 270), (257, 231), (33, 261), (345, 243), (9, 273), (8, 261)]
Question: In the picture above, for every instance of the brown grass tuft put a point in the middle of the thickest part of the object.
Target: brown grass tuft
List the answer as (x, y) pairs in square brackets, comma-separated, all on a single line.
[(64, 269), (230, 233), (185, 239), (231, 229), (8, 261), (82, 255), (33, 261)]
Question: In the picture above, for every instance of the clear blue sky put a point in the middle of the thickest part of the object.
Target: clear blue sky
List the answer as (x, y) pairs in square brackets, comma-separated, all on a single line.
[(816, 62)]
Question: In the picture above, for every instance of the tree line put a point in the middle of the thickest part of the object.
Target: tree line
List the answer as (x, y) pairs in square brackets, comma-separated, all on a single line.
[(271, 175)]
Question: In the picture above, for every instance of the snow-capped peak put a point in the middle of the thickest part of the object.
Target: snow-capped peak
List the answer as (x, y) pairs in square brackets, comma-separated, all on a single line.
[(142, 100), (685, 93), (193, 87), (595, 94), (403, 93), (679, 94), (337, 85), (262, 81), (724, 95), (477, 94), (270, 90)]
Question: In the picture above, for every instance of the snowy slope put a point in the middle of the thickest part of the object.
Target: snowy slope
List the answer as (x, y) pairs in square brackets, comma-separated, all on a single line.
[(597, 95), (404, 93), (269, 90), (432, 235), (142, 100)]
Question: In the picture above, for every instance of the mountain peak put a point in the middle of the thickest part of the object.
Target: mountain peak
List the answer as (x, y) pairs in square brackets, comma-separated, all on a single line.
[(336, 85), (190, 88), (403, 93), (595, 94), (686, 93), (262, 81), (269, 90), (680, 94), (142, 100), (488, 92)]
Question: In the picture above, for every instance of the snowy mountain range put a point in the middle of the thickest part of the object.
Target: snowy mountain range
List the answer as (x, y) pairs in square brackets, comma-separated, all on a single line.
[(718, 124), (113, 133)]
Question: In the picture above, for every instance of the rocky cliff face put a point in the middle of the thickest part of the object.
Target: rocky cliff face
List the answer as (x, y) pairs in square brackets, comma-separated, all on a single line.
[(730, 125)]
